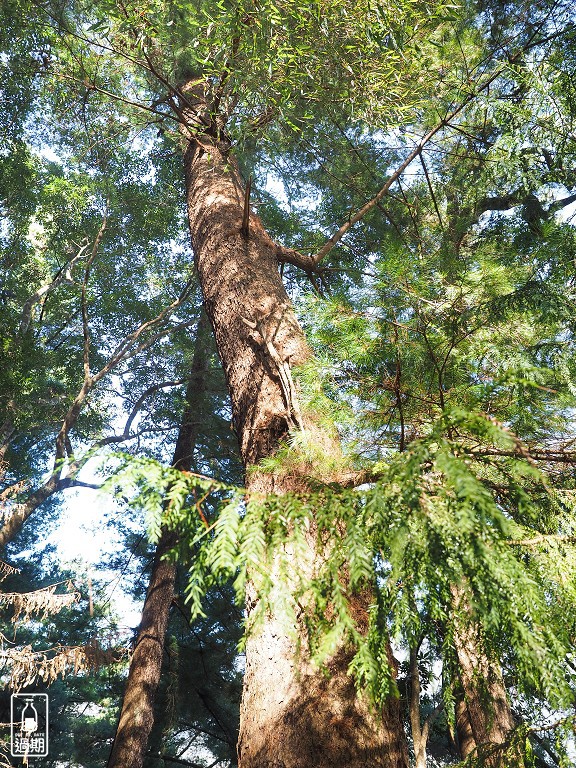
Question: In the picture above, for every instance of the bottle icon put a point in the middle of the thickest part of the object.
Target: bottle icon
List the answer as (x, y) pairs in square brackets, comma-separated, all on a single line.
[(29, 718), (28, 725)]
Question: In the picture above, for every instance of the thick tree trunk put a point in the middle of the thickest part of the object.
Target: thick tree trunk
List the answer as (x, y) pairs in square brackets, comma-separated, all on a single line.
[(292, 715), (137, 715), (485, 722), (483, 716), (466, 741)]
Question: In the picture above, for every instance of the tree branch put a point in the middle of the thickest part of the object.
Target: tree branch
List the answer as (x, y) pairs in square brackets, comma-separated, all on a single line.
[(83, 303), (21, 512), (64, 275), (542, 539), (311, 262)]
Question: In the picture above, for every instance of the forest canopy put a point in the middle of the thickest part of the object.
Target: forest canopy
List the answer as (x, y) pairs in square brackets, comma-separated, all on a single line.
[(289, 287)]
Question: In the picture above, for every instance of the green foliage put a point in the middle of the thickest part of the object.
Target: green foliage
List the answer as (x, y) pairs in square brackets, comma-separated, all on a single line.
[(282, 62), (439, 516)]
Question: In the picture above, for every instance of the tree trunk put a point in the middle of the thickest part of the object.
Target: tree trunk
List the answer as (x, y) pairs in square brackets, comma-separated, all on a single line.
[(7, 433), (466, 741), (483, 716), (419, 733), (137, 715), (292, 715)]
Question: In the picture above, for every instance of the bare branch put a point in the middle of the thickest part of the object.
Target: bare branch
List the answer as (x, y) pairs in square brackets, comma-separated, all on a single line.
[(531, 454), (310, 262), (64, 275), (120, 353), (145, 395), (543, 539), (431, 190), (571, 719), (85, 324), (71, 482)]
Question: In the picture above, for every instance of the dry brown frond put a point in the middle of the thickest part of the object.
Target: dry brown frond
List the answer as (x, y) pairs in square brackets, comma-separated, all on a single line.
[(26, 666), (7, 570), (44, 602)]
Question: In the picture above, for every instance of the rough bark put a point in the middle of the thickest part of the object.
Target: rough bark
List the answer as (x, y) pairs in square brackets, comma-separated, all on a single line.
[(242, 288), (292, 715), (483, 716), (466, 741), (137, 715)]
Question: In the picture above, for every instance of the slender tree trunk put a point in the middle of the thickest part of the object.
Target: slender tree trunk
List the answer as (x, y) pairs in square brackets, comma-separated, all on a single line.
[(137, 715), (292, 715), (7, 433)]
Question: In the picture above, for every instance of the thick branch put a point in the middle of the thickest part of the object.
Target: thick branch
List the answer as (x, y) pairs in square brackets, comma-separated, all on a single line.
[(521, 197), (561, 457)]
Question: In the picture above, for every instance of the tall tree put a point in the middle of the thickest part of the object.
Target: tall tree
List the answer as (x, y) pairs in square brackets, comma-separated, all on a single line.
[(453, 457), (258, 339)]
